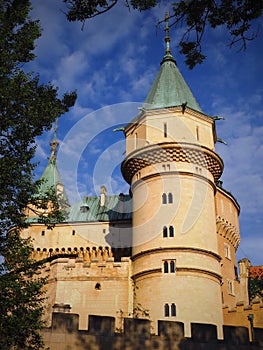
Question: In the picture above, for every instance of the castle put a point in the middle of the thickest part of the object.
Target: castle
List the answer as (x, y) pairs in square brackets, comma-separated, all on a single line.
[(167, 250)]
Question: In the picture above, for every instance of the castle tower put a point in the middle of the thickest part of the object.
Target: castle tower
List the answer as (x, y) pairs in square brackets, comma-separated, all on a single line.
[(172, 168)]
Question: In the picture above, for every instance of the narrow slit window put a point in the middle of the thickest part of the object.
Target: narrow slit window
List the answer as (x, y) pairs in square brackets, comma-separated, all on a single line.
[(172, 266), (136, 140), (165, 129), (197, 133), (166, 310)]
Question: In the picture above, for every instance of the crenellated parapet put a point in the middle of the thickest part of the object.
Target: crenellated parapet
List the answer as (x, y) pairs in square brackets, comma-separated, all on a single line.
[(228, 231), (136, 334), (245, 315)]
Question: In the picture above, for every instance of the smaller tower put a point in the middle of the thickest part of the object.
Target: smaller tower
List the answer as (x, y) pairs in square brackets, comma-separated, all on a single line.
[(51, 178), (244, 266)]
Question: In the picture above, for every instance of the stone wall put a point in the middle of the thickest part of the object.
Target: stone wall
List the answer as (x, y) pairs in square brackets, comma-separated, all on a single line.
[(244, 315), (64, 334)]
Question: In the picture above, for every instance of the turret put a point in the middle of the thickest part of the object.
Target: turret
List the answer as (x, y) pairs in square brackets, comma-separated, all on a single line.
[(172, 169)]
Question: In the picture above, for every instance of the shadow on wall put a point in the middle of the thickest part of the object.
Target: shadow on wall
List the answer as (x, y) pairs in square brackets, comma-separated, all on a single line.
[(65, 335)]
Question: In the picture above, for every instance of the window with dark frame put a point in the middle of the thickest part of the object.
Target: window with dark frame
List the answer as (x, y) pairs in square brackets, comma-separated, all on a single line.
[(173, 310), (165, 267), (166, 310), (164, 198)]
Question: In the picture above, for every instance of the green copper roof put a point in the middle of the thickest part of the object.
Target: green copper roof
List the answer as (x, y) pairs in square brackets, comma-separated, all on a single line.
[(169, 88), (116, 208), (51, 178)]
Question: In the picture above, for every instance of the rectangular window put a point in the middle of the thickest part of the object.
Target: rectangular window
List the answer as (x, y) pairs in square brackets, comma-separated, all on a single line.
[(227, 251), (43, 233), (230, 286)]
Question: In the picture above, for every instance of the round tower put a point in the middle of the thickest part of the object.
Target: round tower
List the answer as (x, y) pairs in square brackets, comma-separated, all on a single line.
[(172, 169)]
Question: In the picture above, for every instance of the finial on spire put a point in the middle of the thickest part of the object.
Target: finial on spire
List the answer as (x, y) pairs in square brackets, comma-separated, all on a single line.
[(167, 36), (168, 56), (54, 143)]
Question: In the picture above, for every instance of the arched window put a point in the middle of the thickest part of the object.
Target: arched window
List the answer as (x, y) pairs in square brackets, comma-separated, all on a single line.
[(171, 231), (166, 310), (165, 267), (173, 310), (170, 198), (165, 231), (98, 286), (172, 266), (164, 198)]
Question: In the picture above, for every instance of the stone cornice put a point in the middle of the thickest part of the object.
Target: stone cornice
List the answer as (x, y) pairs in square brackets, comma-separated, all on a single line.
[(146, 272), (199, 271), (177, 249), (179, 270), (172, 173)]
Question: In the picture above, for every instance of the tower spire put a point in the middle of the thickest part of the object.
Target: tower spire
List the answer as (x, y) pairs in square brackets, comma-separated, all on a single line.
[(54, 143), (167, 36), (168, 55)]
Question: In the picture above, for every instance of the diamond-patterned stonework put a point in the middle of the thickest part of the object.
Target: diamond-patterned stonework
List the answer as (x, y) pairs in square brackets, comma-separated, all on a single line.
[(172, 152)]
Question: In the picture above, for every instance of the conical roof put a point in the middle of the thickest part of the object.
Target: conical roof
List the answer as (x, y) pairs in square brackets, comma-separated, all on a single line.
[(51, 178), (169, 88)]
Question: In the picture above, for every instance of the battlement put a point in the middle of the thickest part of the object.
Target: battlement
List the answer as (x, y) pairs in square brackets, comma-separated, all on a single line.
[(245, 315), (64, 334)]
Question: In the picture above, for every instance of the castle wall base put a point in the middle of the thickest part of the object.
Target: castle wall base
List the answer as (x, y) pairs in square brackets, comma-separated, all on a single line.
[(64, 334)]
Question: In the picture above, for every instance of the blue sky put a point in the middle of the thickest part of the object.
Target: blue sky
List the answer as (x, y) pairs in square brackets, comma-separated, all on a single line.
[(111, 64)]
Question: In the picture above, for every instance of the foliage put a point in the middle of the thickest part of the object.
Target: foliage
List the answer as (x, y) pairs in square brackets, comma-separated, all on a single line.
[(22, 301), (27, 109), (193, 15), (255, 288)]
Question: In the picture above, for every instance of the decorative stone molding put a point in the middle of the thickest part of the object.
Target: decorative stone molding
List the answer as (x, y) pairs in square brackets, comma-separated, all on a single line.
[(172, 152), (228, 231), (87, 254)]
